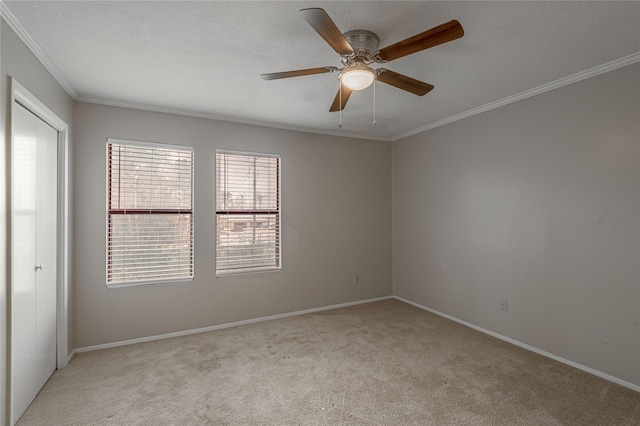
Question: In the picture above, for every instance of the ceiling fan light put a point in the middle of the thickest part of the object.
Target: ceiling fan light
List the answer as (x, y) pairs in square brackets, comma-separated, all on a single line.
[(358, 79)]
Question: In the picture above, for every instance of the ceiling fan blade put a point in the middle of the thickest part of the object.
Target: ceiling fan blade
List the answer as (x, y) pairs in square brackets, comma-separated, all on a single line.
[(403, 82), (322, 23), (433, 37), (297, 73), (337, 105)]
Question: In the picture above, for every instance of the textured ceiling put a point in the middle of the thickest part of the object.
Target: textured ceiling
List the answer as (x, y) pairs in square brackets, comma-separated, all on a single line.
[(205, 57)]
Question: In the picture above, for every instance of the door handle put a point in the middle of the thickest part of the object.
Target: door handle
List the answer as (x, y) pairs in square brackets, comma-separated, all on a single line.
[(38, 267)]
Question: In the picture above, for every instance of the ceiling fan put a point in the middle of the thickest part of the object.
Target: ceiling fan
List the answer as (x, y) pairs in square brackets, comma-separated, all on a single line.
[(358, 49)]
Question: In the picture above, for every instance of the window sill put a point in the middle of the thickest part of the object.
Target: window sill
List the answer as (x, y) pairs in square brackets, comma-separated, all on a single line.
[(144, 283), (252, 271)]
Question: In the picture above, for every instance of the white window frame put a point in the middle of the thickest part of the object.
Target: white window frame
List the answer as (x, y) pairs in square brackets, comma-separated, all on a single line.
[(191, 212), (278, 253)]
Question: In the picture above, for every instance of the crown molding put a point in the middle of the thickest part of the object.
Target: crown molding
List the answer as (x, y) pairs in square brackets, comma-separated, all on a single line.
[(46, 61), (591, 72), (227, 119), (55, 71)]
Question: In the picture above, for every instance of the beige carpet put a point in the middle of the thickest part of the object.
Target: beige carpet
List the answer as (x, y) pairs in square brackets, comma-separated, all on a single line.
[(384, 363)]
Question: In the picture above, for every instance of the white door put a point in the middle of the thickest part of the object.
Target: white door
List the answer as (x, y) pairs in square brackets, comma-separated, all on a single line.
[(34, 257)]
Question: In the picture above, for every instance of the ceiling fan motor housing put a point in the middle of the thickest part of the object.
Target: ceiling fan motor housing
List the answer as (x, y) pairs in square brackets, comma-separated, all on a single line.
[(363, 42)]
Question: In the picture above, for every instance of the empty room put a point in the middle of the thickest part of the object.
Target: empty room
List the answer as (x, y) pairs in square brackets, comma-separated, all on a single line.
[(317, 213)]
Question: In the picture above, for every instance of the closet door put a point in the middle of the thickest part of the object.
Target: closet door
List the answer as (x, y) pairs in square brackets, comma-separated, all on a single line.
[(34, 257)]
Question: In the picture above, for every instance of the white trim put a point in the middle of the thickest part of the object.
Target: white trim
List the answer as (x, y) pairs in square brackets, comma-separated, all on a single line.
[(590, 370), (565, 81), (64, 233), (29, 101), (73, 92), (227, 325), (46, 61), (592, 72), (248, 153), (242, 272), (71, 355), (21, 95), (148, 144), (112, 286), (226, 119)]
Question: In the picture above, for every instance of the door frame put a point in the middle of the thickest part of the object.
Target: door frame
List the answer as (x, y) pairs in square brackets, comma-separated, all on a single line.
[(25, 98)]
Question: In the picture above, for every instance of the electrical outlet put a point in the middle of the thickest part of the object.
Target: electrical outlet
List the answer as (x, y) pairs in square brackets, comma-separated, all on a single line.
[(356, 279), (502, 304)]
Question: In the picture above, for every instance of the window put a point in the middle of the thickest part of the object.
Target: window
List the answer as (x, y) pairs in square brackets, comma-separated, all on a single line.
[(247, 213), (150, 212)]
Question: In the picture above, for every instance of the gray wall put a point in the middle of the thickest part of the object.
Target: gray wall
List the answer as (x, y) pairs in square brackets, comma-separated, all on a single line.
[(17, 61), (536, 202), (336, 217)]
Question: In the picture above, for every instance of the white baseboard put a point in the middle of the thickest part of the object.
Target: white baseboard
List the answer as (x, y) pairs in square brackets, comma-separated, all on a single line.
[(70, 357), (221, 326), (527, 347)]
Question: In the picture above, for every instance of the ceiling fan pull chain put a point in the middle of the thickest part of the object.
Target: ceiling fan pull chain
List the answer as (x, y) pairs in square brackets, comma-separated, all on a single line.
[(374, 101), (340, 113)]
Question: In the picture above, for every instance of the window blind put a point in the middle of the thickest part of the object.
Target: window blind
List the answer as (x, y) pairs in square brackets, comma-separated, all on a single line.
[(247, 213), (150, 212)]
